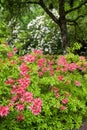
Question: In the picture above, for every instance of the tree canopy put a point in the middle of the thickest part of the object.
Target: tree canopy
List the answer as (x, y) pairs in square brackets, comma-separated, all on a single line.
[(72, 14)]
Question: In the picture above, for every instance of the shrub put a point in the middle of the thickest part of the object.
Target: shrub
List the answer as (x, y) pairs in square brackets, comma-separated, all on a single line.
[(42, 92), (41, 33)]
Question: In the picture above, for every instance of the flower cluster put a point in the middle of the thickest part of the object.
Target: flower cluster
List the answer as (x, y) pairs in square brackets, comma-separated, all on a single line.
[(4, 110), (36, 106), (39, 87)]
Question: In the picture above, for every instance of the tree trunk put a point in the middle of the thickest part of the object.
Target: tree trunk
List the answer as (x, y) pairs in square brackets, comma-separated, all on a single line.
[(63, 26)]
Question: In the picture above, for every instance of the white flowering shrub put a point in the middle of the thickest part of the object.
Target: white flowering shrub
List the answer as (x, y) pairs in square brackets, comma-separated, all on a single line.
[(42, 33)]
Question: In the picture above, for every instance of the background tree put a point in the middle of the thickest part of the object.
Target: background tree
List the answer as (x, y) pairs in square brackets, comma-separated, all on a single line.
[(70, 12)]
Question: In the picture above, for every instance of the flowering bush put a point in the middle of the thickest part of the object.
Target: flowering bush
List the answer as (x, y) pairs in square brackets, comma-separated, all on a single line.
[(42, 33), (42, 92)]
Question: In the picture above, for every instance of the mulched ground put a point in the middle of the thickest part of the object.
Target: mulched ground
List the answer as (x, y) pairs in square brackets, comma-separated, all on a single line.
[(84, 127)]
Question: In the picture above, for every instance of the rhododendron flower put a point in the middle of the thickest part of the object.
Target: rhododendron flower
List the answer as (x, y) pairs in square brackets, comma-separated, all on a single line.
[(24, 82), (13, 99), (65, 69), (57, 95), (63, 108), (82, 58), (15, 49), (9, 81), (27, 97), (72, 66), (58, 69), (18, 91), (85, 64), (10, 54), (51, 72), (13, 90), (40, 73), (83, 69), (29, 58), (23, 69), (55, 89), (65, 101), (41, 62), (39, 52), (19, 107), (36, 106), (77, 83), (4, 110), (20, 117), (62, 61), (50, 63), (44, 69), (60, 77)]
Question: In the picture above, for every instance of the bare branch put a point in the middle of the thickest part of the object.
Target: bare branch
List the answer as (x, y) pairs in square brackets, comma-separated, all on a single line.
[(79, 6)]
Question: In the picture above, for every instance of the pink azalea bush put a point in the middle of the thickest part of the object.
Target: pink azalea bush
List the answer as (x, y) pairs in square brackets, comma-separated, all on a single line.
[(42, 92)]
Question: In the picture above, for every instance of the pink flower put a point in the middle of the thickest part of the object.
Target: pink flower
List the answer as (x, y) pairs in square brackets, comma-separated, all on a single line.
[(57, 95), (40, 73), (50, 63), (23, 69), (13, 99), (72, 67), (44, 69), (41, 62), (27, 97), (19, 91), (10, 54), (55, 89), (20, 117), (51, 72), (65, 69), (36, 106), (58, 69), (62, 61), (24, 82), (77, 83), (20, 107), (65, 101), (63, 108), (4, 110), (10, 81), (15, 49), (60, 77), (29, 58), (82, 58), (39, 52)]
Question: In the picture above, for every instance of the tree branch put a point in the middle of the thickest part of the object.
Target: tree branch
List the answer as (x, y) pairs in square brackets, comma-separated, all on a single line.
[(30, 2), (41, 3), (74, 20), (79, 6)]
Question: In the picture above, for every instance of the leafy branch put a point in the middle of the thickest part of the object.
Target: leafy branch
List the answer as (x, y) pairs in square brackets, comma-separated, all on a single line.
[(75, 8)]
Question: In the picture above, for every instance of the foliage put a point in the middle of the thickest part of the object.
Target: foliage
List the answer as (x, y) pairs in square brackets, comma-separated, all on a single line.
[(41, 33), (42, 92), (72, 18)]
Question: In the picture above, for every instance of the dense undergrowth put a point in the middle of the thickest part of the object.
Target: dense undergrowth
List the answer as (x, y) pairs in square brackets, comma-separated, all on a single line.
[(42, 92)]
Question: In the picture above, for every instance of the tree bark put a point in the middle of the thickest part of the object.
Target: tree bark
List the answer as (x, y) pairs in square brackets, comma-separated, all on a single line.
[(63, 26)]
